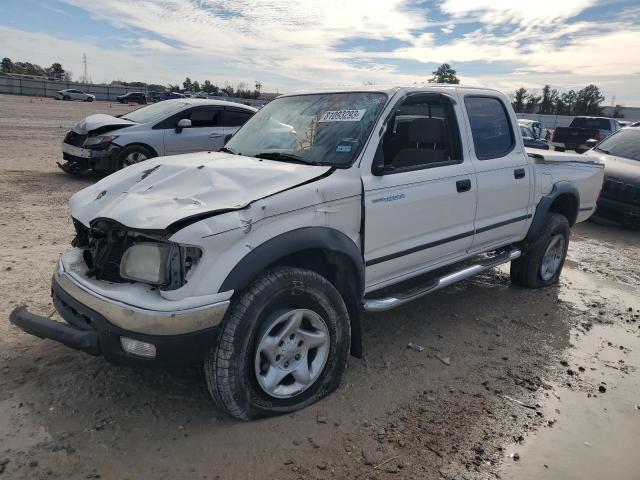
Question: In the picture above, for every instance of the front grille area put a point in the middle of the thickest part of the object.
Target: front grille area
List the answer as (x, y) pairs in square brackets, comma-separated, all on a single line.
[(75, 139), (621, 191), (104, 243)]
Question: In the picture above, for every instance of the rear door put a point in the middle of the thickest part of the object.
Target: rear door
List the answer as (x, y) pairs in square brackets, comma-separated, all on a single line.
[(503, 172), (419, 210), (205, 134)]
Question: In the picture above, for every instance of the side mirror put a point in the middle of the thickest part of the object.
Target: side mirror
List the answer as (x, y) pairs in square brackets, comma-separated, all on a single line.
[(227, 137), (182, 124), (592, 142)]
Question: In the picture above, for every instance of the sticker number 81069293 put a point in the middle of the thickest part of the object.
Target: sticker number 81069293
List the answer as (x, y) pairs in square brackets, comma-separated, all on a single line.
[(342, 116)]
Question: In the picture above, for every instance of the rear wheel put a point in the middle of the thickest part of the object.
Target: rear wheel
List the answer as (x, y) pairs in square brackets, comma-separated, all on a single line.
[(542, 264), (132, 155), (284, 345)]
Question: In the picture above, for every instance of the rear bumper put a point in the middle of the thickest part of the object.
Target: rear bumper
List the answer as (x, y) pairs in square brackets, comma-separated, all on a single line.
[(95, 324), (570, 146)]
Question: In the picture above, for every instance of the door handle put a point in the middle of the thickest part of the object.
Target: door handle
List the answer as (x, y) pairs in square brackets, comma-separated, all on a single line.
[(463, 185), (215, 135), (519, 173)]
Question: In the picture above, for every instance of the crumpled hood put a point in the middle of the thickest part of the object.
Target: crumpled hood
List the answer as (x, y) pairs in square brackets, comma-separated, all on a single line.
[(99, 120), (158, 192)]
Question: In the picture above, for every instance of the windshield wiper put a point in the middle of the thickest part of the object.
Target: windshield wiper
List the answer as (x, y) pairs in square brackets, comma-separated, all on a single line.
[(285, 157), (228, 150), (601, 150)]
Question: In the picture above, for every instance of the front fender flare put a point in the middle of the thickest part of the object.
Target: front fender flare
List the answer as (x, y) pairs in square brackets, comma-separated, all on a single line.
[(294, 241)]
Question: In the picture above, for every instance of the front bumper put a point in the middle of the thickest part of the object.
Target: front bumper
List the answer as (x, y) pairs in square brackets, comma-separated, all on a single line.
[(95, 324), (79, 158)]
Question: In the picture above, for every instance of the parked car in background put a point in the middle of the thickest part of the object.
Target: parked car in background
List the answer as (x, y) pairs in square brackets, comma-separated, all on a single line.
[(531, 140), (258, 260), (620, 153), (635, 124), (73, 94), (536, 127), (132, 97), (624, 123), (581, 129), (105, 143)]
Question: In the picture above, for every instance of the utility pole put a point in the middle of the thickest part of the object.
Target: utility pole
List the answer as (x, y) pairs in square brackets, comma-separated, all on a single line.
[(84, 61)]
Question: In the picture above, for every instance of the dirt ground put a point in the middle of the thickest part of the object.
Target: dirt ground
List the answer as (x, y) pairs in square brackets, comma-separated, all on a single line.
[(512, 383)]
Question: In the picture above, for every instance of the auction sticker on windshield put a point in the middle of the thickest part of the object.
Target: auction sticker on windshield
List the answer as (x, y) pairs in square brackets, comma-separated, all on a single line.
[(342, 116)]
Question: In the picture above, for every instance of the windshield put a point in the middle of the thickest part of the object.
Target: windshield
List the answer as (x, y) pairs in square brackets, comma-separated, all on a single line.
[(624, 143), (325, 129), (155, 112), (597, 123)]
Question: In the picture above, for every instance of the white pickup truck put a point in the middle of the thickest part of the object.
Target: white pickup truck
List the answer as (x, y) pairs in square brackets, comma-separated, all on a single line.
[(258, 260)]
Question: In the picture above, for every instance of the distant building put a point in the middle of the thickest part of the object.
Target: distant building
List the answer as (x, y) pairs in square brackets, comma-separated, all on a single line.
[(624, 113)]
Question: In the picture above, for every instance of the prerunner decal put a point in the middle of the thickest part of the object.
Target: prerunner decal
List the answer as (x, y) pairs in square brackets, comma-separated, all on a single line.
[(342, 116)]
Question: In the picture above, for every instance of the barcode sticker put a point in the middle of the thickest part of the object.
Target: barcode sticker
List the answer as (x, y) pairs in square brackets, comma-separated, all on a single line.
[(342, 116)]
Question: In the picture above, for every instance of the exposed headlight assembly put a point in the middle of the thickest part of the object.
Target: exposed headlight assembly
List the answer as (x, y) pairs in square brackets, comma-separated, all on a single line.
[(146, 262), (165, 264), (99, 140)]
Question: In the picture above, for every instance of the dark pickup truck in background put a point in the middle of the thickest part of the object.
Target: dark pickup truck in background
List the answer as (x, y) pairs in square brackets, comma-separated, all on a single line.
[(582, 129)]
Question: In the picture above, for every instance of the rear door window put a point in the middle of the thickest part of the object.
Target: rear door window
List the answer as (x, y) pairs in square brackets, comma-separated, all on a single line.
[(490, 127), (596, 123), (235, 118)]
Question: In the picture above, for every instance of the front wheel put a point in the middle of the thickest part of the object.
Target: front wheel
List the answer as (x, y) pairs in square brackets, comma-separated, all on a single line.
[(542, 264), (284, 344), (132, 155)]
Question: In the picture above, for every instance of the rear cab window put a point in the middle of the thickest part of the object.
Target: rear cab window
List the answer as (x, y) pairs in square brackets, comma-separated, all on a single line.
[(595, 123), (490, 127)]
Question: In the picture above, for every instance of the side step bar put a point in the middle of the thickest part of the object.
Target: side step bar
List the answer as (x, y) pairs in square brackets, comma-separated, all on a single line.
[(382, 304)]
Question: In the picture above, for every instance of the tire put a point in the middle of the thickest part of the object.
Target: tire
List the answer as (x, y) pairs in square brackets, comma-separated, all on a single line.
[(89, 99), (580, 152), (131, 155), (237, 369), (66, 97), (527, 271)]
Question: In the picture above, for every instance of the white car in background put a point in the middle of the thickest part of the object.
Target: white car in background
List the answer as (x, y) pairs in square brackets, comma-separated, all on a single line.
[(73, 94), (105, 143)]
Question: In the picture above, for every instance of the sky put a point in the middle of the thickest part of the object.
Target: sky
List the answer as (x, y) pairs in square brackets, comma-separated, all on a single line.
[(290, 45)]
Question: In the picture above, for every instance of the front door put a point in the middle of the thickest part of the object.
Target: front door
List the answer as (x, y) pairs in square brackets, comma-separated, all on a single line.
[(205, 134), (420, 202)]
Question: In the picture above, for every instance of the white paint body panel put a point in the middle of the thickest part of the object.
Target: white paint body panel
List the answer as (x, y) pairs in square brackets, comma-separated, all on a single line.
[(247, 202)]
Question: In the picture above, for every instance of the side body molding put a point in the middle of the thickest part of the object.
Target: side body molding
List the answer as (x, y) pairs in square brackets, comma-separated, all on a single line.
[(288, 243)]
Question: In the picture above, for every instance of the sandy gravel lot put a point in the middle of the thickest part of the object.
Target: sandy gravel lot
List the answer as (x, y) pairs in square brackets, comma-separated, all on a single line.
[(568, 354)]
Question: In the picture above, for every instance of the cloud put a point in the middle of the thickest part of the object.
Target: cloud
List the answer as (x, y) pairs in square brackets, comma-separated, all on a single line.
[(150, 44), (299, 43)]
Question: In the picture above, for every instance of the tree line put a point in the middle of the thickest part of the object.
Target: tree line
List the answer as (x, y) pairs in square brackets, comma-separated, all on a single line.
[(240, 91), (583, 102), (57, 72), (54, 72), (586, 101)]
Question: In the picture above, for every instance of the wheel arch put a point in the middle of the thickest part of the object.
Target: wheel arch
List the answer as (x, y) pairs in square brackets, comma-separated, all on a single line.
[(141, 144), (323, 250), (564, 199)]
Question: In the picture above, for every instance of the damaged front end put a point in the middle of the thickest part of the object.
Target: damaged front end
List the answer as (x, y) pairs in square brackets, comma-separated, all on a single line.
[(90, 149), (110, 290), (115, 253)]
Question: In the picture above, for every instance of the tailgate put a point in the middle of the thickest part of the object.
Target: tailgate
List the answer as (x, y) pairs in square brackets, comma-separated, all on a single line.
[(573, 135)]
